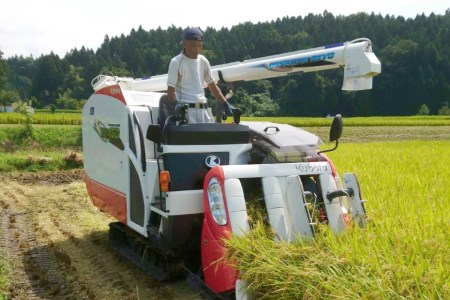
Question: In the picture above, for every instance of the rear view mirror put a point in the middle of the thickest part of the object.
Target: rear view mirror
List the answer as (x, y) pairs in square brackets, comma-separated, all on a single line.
[(336, 128), (335, 132)]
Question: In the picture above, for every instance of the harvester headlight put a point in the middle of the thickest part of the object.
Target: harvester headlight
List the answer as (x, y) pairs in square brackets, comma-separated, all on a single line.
[(216, 203)]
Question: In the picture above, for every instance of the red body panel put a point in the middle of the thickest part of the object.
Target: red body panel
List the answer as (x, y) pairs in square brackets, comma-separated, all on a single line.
[(219, 276), (113, 91), (107, 199), (333, 168)]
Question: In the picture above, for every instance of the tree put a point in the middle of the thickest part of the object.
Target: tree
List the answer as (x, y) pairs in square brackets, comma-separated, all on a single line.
[(3, 71), (257, 105), (74, 82), (116, 71), (7, 98), (47, 79), (288, 97), (415, 57), (20, 75), (65, 101), (400, 62), (444, 110), (423, 110)]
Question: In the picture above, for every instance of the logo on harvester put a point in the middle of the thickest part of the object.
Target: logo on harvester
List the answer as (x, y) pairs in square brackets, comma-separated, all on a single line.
[(212, 161), (286, 65), (109, 133)]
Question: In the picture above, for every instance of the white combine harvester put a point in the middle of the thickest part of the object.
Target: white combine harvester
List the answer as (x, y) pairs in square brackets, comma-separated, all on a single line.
[(178, 189)]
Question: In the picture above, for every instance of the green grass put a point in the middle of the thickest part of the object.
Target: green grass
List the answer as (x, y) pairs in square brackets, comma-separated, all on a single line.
[(358, 121), (4, 281), (74, 118), (403, 253), (45, 137), (48, 150), (43, 118), (65, 111), (33, 161)]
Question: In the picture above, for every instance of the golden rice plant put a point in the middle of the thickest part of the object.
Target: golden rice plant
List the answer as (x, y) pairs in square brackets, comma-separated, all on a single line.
[(403, 252)]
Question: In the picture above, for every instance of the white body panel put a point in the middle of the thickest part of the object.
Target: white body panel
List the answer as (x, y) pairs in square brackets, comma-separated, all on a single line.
[(275, 207), (333, 208), (276, 170), (357, 208), (184, 202), (286, 135), (241, 291), (114, 171), (237, 209), (286, 208), (107, 162), (297, 214)]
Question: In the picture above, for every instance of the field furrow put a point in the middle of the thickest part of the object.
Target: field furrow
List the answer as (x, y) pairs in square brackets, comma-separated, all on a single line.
[(56, 244)]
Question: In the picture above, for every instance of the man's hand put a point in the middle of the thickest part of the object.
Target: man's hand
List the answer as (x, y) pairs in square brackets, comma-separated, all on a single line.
[(228, 108), (180, 110), (178, 107), (231, 110)]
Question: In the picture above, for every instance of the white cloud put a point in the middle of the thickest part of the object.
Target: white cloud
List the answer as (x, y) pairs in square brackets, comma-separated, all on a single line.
[(36, 27)]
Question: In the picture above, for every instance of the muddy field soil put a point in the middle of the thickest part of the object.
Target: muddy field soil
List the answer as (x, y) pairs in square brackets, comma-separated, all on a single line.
[(55, 244)]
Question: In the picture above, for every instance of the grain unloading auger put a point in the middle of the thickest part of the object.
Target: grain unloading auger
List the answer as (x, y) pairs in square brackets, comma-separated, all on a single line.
[(356, 57), (178, 191)]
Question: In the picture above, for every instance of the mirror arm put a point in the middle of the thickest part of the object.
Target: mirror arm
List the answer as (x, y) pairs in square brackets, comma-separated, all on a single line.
[(328, 150)]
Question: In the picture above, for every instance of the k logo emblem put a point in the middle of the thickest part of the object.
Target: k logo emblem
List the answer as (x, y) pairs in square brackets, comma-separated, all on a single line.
[(212, 161)]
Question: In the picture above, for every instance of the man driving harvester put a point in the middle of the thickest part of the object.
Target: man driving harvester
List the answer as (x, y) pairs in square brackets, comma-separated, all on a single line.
[(188, 72)]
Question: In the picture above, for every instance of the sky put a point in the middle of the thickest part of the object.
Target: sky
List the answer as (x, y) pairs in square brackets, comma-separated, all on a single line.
[(35, 27)]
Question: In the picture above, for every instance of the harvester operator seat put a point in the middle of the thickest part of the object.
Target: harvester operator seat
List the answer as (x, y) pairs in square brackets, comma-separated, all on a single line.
[(166, 109)]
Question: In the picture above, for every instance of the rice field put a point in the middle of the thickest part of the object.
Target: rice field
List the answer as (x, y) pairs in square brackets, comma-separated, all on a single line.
[(403, 253), (358, 121), (74, 118), (402, 165), (42, 118)]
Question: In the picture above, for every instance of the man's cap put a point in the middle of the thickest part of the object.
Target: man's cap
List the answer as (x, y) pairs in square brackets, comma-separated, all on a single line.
[(193, 34)]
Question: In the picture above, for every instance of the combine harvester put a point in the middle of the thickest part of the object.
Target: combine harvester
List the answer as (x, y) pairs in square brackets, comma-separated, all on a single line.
[(177, 190)]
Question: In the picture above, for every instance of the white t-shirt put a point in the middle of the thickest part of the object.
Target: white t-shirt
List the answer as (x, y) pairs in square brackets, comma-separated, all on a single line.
[(189, 77)]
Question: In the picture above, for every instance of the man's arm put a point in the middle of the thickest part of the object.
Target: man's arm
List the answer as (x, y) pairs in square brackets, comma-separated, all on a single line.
[(171, 94), (172, 80), (229, 109), (216, 92)]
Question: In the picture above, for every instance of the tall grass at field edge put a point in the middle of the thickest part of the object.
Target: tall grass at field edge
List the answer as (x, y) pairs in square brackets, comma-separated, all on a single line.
[(44, 137), (35, 161), (42, 118), (51, 148)]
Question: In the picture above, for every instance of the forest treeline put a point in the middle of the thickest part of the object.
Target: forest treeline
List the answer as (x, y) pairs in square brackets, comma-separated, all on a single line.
[(414, 52)]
